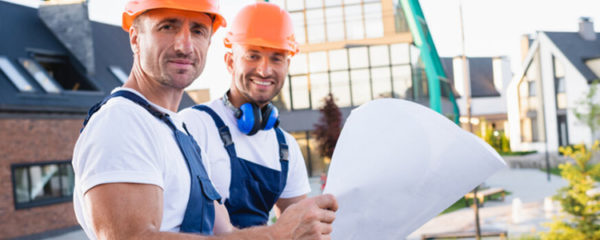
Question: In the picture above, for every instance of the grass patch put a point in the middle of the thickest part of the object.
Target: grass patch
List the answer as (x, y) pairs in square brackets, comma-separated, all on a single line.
[(462, 202), (518, 153)]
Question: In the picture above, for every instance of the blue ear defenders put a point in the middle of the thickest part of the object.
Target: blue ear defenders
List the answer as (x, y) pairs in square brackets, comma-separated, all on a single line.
[(251, 118)]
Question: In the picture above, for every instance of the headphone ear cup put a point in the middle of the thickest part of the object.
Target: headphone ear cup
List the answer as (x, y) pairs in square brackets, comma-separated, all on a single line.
[(247, 119), (257, 119), (270, 117)]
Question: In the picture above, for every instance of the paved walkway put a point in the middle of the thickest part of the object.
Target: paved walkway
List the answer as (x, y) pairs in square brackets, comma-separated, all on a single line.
[(529, 186)]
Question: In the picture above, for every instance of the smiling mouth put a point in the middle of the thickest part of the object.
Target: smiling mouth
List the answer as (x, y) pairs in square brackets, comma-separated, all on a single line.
[(262, 83)]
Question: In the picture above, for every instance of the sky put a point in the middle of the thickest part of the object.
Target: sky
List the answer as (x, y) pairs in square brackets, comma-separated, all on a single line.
[(492, 27)]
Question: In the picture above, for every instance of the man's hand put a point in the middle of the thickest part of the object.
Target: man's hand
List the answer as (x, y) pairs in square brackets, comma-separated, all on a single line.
[(310, 218)]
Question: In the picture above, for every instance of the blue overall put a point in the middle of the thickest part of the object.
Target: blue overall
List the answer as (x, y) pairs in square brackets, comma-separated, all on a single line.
[(254, 189), (200, 211)]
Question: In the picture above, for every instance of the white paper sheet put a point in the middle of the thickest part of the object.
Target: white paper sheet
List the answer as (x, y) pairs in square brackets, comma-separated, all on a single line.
[(398, 164)]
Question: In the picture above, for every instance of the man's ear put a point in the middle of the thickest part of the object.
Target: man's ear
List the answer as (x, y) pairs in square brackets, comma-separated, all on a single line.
[(133, 40), (229, 61)]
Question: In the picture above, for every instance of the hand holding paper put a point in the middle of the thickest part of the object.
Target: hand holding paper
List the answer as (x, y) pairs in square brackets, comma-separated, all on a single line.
[(398, 164)]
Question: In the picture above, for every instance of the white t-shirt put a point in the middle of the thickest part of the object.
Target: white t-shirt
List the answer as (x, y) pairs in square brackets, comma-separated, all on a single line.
[(123, 142), (261, 148)]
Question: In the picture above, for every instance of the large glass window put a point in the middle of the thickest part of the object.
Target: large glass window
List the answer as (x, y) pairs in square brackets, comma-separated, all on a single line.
[(355, 28), (353, 75), (399, 53), (14, 76), (335, 24), (361, 89), (359, 57), (338, 59), (379, 55), (317, 61), (319, 88), (300, 99), (382, 82), (373, 20), (298, 64), (315, 24), (298, 21), (42, 184), (294, 5), (340, 88), (401, 77)]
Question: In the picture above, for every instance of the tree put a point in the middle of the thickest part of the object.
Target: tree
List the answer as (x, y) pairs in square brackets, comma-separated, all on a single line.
[(588, 109), (327, 130), (579, 200)]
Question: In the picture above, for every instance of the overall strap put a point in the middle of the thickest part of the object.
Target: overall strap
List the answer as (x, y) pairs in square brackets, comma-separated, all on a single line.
[(224, 133), (284, 154), (134, 98)]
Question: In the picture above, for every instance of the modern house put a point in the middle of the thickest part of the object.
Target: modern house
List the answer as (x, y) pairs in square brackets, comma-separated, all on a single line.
[(488, 77), (557, 71)]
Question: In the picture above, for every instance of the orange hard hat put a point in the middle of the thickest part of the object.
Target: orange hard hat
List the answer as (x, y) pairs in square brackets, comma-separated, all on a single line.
[(263, 24), (136, 7)]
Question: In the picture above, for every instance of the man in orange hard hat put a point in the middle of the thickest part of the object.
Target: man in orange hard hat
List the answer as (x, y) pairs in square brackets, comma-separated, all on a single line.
[(255, 164), (138, 172)]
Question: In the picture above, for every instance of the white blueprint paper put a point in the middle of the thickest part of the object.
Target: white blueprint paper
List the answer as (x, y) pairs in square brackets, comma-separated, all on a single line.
[(398, 164)]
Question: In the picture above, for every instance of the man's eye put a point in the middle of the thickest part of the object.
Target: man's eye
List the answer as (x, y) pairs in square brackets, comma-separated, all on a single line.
[(165, 27)]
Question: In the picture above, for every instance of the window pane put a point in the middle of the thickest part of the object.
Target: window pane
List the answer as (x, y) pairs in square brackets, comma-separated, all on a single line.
[(21, 184), (338, 59), (379, 55), (317, 162), (382, 82), (319, 88), (354, 22), (361, 89), (119, 74), (40, 76), (399, 53), (285, 95), (373, 20), (340, 88), (402, 81), (335, 24), (351, 1), (313, 4), (67, 178), (280, 3), (298, 20), (45, 182), (293, 5), (298, 64), (14, 76), (315, 23), (300, 92), (318, 61), (358, 57), (333, 2)]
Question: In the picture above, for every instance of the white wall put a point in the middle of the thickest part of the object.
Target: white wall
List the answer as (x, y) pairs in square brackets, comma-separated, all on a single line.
[(576, 87)]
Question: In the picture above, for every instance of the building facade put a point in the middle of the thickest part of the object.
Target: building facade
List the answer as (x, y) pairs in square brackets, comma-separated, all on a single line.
[(558, 69), (358, 50), (488, 77)]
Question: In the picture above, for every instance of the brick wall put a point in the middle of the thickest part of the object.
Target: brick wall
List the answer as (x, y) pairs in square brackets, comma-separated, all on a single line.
[(32, 141)]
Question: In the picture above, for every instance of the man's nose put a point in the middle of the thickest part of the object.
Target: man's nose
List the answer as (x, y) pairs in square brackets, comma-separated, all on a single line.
[(264, 67), (183, 42)]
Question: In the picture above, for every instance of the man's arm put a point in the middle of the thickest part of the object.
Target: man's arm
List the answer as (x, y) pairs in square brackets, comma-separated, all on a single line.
[(283, 203), (134, 211)]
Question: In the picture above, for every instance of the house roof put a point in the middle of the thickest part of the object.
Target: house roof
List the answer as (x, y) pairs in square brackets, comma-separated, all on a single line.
[(481, 75), (577, 50), (25, 33)]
